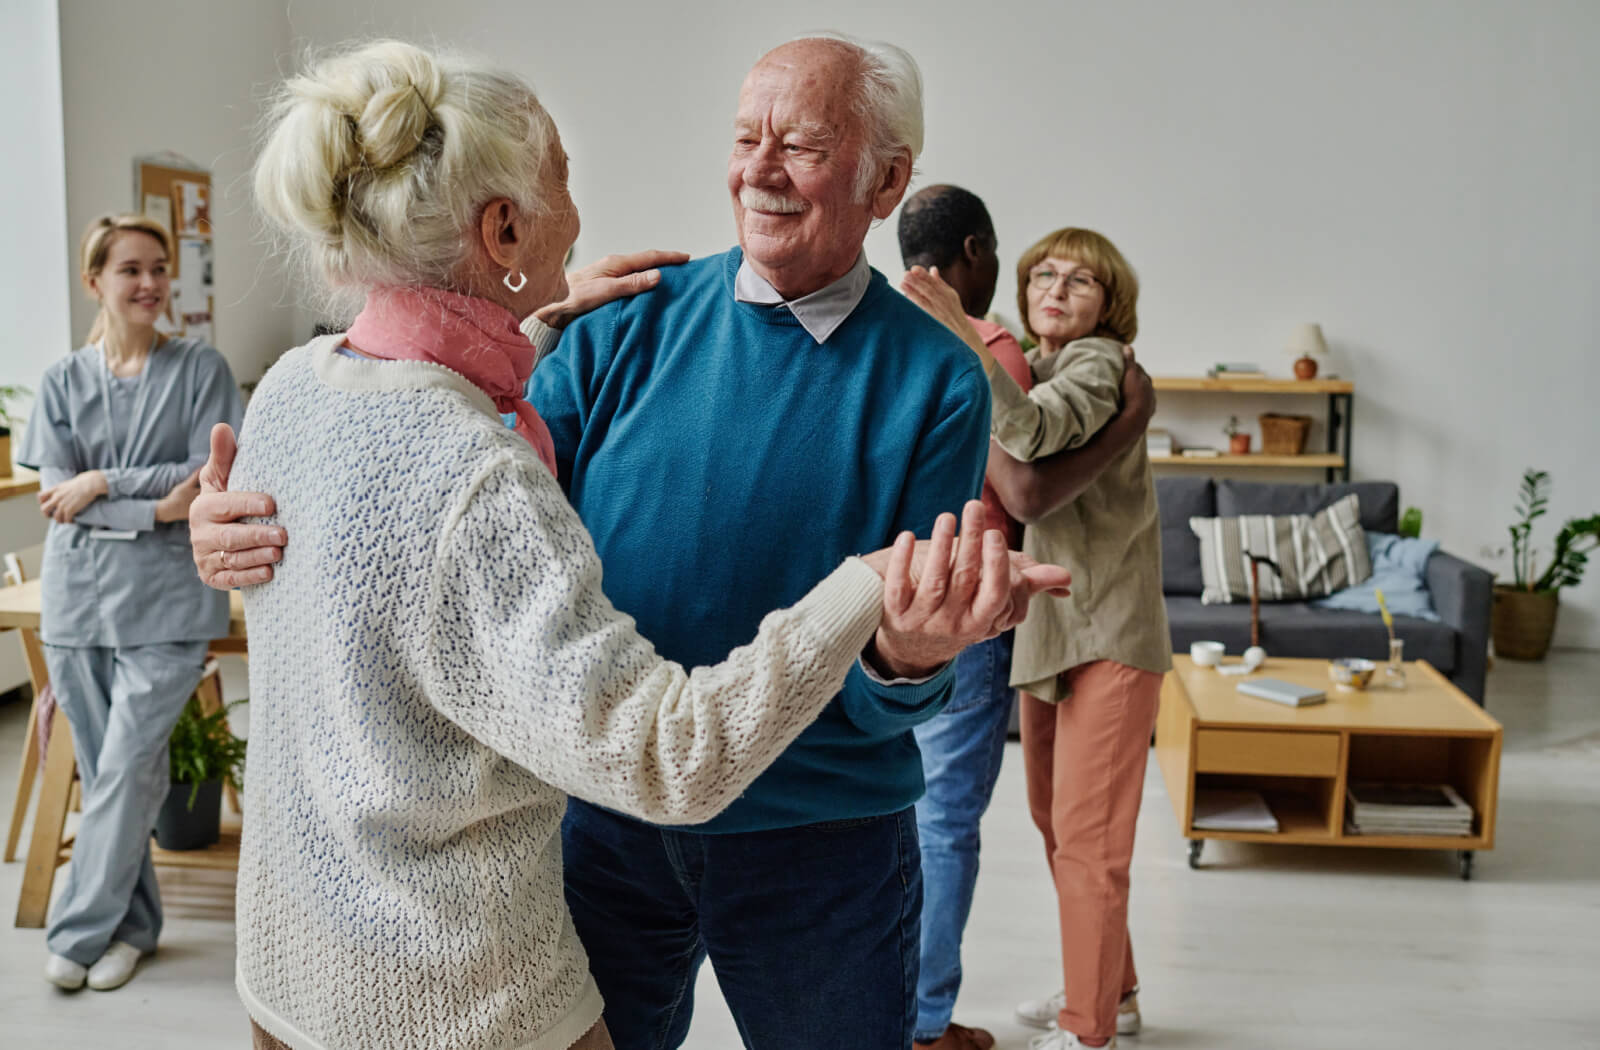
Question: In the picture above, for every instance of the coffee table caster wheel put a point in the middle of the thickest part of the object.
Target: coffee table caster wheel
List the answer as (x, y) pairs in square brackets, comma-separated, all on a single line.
[(1465, 857), (1196, 845)]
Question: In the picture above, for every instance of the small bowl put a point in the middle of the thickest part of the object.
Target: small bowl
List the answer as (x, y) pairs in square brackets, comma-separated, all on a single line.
[(1206, 654), (1351, 672)]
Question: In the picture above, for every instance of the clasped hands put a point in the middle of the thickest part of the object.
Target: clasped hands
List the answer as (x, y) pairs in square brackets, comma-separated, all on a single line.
[(943, 594)]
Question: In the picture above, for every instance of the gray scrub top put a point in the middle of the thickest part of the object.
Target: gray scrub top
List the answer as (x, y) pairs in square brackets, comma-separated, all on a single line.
[(147, 433)]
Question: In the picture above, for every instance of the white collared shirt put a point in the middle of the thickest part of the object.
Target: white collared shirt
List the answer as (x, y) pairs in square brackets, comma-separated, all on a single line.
[(820, 313)]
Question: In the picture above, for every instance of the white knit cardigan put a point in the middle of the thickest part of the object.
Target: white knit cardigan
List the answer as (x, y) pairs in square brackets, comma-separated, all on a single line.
[(433, 669)]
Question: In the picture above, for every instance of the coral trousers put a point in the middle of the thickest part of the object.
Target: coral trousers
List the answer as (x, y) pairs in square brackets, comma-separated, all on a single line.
[(1085, 760)]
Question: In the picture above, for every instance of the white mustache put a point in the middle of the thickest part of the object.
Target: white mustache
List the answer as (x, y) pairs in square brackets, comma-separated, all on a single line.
[(761, 200)]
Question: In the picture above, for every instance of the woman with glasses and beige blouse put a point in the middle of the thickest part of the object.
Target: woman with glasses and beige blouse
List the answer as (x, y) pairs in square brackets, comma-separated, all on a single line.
[(1089, 665)]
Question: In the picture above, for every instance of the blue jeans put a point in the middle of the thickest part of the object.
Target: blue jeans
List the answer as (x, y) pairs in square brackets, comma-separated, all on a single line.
[(812, 930), (961, 751)]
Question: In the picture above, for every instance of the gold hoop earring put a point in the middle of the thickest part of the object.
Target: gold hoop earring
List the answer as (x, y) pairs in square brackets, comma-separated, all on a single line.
[(522, 280)]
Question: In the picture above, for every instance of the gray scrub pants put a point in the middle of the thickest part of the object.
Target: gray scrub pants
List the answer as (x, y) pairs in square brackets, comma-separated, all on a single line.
[(121, 704)]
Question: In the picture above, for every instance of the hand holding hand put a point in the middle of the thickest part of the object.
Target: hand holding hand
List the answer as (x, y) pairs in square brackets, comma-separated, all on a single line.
[(969, 590), (614, 277), (227, 553), (64, 502)]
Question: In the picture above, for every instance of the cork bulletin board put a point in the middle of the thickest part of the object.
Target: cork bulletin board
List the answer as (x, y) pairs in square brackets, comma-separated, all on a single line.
[(178, 195)]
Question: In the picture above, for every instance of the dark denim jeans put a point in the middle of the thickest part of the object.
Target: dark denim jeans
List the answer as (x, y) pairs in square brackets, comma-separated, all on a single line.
[(812, 930), (961, 751)]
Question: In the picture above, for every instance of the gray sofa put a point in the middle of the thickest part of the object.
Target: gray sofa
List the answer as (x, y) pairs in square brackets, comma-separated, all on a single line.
[(1462, 593)]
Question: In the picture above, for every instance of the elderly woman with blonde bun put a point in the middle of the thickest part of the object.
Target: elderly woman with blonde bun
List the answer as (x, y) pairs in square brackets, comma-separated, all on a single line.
[(1089, 665), (117, 436), (434, 664)]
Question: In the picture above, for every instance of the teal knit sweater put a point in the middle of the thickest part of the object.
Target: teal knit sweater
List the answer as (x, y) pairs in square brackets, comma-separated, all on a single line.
[(724, 462)]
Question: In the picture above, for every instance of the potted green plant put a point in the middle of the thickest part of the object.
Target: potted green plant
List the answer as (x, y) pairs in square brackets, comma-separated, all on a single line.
[(1525, 609), (1238, 440), (9, 395), (203, 753)]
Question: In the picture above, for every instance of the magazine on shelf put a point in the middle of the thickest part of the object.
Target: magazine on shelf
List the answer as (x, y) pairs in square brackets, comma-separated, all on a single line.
[(1224, 809), (1379, 808)]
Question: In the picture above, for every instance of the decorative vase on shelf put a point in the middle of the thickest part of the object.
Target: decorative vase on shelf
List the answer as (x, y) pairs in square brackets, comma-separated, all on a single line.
[(1239, 444), (1307, 341)]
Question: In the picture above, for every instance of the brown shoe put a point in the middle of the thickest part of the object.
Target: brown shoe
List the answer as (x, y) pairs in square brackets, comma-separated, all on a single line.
[(959, 1037)]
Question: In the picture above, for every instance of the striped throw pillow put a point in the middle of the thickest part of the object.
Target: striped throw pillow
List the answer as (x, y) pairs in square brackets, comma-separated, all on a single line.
[(1316, 554)]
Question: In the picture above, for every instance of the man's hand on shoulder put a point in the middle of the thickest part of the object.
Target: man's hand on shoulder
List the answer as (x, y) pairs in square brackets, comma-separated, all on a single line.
[(229, 553), (1138, 390)]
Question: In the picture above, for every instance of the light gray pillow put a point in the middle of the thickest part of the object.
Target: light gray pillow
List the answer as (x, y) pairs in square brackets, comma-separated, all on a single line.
[(1316, 554)]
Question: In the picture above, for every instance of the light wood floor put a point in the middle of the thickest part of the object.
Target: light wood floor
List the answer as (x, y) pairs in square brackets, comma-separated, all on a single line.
[(1267, 947)]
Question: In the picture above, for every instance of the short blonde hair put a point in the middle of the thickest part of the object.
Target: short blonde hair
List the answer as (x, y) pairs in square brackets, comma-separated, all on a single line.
[(95, 249), (1091, 249), (379, 158)]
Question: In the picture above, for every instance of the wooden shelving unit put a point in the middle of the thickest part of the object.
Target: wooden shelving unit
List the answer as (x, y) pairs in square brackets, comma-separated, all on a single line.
[(1330, 461), (1335, 461)]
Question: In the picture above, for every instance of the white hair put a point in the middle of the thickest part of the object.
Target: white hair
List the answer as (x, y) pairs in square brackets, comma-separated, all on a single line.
[(379, 158), (888, 102)]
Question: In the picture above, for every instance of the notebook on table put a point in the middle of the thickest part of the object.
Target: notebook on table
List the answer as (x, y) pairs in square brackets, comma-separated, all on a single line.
[(1281, 692)]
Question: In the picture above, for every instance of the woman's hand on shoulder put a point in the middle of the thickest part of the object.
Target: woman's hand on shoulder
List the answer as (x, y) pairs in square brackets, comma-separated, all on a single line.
[(614, 277), (943, 303), (229, 553)]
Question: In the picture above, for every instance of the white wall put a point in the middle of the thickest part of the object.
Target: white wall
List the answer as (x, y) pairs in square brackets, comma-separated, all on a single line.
[(186, 76), (1418, 177), (33, 266)]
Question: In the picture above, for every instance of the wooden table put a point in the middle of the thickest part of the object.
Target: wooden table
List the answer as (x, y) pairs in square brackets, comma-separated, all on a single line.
[(48, 848), (1209, 735)]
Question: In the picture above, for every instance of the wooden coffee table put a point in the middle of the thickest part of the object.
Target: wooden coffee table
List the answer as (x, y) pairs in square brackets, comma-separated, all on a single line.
[(1209, 735)]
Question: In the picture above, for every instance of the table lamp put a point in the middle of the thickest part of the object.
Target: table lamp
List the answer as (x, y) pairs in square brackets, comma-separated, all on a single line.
[(1307, 341)]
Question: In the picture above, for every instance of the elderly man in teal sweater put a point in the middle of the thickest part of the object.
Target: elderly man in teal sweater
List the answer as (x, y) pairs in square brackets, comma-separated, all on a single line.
[(727, 438)]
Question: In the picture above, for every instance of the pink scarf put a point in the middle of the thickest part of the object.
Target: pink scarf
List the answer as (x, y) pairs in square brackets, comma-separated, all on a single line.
[(478, 339)]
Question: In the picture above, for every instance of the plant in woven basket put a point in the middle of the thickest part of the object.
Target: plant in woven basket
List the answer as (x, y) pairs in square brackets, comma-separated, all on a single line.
[(1525, 609), (202, 748)]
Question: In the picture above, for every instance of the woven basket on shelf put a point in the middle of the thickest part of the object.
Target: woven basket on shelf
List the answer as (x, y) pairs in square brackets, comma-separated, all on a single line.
[(1284, 435)]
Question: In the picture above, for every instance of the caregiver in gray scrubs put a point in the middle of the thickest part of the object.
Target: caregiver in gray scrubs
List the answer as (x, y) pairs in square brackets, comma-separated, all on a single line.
[(119, 430)]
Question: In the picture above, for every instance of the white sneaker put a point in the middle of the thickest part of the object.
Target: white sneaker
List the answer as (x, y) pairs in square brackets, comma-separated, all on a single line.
[(114, 967), (1042, 1013), (1060, 1040), (64, 973)]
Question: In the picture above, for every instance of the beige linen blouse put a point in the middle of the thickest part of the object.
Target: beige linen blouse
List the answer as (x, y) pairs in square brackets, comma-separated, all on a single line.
[(1109, 537)]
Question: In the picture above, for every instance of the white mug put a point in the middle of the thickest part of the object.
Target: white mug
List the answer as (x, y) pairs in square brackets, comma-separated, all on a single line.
[(1206, 654)]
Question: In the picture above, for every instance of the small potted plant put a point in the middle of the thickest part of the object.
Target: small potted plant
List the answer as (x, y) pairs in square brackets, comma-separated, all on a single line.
[(1238, 440), (202, 754), (9, 395), (1525, 610)]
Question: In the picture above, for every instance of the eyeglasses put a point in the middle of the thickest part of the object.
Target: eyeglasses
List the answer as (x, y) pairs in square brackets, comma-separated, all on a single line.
[(1079, 282)]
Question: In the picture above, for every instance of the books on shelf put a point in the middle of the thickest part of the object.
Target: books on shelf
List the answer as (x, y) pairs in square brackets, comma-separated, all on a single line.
[(1236, 370), (1281, 692), (1375, 808), (1223, 809), (1158, 442), (1199, 452)]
